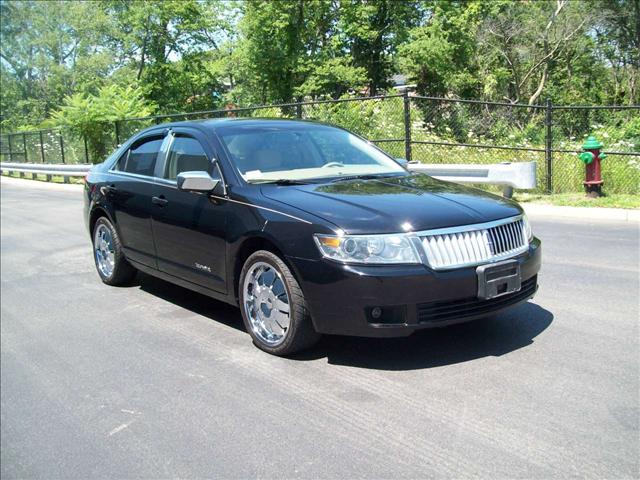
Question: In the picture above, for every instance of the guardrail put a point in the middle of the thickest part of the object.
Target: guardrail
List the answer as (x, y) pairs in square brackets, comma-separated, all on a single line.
[(47, 169), (508, 175)]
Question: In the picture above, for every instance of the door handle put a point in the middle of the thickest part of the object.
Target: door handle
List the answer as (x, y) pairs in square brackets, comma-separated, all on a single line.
[(107, 189), (160, 201)]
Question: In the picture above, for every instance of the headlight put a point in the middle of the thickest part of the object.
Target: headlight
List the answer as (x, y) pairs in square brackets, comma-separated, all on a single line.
[(527, 228), (371, 249)]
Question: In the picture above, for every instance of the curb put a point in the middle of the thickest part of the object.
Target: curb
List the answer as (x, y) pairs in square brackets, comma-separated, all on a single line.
[(23, 182), (585, 213)]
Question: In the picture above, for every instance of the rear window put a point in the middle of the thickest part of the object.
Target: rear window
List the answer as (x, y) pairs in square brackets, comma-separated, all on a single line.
[(141, 159)]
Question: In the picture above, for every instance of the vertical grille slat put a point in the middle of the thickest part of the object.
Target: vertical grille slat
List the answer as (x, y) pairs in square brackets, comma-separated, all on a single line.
[(474, 246), (473, 241), (449, 249), (485, 244), (521, 231), (507, 232), (493, 243), (503, 237), (512, 239), (516, 239), (473, 257), (500, 236), (514, 231)]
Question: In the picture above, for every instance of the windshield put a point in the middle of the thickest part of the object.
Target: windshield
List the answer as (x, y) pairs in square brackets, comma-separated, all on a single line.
[(302, 152)]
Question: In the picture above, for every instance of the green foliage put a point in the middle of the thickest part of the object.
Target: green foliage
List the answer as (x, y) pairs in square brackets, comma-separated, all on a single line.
[(334, 77), (91, 116), (316, 48), (190, 55), (374, 119), (49, 50), (84, 63), (440, 55), (372, 32)]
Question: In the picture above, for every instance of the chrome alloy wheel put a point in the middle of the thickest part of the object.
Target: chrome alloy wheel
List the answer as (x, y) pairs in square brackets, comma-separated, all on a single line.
[(266, 303), (103, 246)]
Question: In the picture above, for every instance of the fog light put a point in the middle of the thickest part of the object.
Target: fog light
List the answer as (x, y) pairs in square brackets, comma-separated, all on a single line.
[(387, 315)]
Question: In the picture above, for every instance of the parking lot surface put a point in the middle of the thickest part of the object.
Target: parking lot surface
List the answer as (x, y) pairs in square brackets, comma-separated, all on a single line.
[(155, 381)]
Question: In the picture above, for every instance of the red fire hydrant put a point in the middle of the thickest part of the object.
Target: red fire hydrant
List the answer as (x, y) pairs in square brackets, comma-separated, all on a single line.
[(591, 157)]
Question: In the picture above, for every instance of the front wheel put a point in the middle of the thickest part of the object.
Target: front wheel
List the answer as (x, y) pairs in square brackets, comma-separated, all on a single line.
[(273, 306), (112, 267)]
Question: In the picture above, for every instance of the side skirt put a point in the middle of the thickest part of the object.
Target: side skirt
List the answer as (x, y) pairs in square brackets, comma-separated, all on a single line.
[(183, 283)]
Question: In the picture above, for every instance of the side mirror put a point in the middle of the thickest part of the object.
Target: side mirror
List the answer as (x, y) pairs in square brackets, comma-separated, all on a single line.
[(403, 162), (196, 182)]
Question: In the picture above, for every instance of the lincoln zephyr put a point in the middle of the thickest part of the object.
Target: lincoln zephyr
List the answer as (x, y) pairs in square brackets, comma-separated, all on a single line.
[(307, 228)]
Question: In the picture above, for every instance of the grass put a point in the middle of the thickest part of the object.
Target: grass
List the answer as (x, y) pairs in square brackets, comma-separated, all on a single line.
[(614, 200), (43, 178)]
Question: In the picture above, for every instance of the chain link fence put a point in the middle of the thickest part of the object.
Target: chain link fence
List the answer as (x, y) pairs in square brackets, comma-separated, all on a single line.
[(468, 131), (424, 129)]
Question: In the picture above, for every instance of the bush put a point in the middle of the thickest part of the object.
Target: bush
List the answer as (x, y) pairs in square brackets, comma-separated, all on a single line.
[(93, 116)]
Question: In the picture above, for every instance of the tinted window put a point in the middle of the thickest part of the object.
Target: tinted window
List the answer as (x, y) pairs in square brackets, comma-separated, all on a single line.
[(186, 155), (141, 159)]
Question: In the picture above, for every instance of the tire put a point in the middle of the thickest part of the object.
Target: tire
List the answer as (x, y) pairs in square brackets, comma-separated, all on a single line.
[(109, 254), (263, 306)]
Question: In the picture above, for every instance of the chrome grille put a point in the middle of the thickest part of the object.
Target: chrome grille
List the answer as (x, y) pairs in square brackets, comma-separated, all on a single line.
[(474, 244)]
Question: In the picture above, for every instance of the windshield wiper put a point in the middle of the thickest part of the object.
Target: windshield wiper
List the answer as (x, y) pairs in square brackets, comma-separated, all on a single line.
[(359, 177), (283, 181)]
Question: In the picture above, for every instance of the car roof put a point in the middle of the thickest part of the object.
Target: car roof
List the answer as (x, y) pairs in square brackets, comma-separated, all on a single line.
[(215, 123)]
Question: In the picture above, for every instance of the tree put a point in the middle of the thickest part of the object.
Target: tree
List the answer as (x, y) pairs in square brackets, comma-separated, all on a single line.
[(530, 39), (199, 54), (166, 43), (280, 41), (617, 33), (371, 33), (48, 50), (440, 55)]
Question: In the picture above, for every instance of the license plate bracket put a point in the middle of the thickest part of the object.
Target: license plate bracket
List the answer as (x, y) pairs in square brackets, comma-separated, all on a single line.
[(498, 279)]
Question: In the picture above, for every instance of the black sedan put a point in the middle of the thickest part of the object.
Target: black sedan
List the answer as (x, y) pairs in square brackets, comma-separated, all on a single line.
[(308, 228)]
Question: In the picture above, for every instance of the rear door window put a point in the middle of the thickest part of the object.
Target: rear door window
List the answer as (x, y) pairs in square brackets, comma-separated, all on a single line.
[(141, 159)]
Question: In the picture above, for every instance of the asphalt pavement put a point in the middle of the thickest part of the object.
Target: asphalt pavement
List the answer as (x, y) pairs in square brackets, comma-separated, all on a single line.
[(154, 381)]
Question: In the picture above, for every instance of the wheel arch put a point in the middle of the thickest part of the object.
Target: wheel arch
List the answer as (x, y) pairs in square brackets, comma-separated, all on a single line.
[(97, 212), (249, 246)]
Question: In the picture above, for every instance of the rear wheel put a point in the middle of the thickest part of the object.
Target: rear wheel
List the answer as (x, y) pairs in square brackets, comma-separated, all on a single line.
[(112, 267), (273, 306)]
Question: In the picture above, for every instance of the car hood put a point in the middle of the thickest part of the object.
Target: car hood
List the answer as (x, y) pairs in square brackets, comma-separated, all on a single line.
[(389, 205)]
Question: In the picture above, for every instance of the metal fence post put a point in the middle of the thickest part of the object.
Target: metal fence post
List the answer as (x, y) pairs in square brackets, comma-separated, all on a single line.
[(407, 125), (10, 149), (548, 153), (24, 146), (41, 146), (117, 124), (61, 146), (299, 108), (86, 149)]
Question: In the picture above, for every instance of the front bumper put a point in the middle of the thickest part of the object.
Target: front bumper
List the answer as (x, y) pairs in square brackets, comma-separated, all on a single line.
[(340, 297)]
